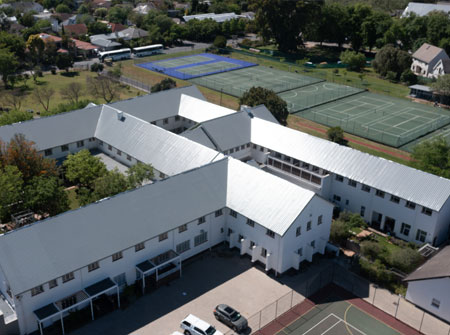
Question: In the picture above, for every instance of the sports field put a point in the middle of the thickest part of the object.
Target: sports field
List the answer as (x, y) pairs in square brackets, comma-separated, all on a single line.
[(309, 96), (237, 82), (443, 132), (192, 66), (384, 119), (337, 318)]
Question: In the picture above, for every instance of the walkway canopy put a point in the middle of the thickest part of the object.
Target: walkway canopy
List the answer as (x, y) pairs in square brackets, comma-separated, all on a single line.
[(87, 295)]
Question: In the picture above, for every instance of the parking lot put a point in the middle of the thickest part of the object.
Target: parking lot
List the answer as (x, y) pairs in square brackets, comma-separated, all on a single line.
[(207, 281)]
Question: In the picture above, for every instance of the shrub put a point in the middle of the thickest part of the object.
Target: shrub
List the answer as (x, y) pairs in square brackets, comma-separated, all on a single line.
[(408, 77), (53, 70), (391, 76), (339, 232), (371, 250), (220, 41), (354, 220), (96, 67), (405, 259), (355, 61)]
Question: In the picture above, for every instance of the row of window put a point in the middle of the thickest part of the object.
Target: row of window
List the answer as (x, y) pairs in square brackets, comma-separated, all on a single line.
[(300, 251), (298, 163), (166, 120), (381, 194), (298, 231), (236, 149), (118, 152), (65, 147), (251, 223)]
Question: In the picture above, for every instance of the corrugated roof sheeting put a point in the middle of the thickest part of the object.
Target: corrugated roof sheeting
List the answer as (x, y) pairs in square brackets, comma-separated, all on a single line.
[(437, 266), (422, 9), (264, 198), (167, 152), (199, 136), (413, 185), (199, 111)]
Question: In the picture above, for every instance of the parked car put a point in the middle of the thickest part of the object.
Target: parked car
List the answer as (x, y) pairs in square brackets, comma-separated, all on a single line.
[(192, 325), (231, 318)]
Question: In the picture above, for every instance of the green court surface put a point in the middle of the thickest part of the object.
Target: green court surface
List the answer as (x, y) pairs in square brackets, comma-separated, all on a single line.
[(176, 62), (205, 68), (444, 132), (337, 318), (309, 96), (237, 82), (384, 119)]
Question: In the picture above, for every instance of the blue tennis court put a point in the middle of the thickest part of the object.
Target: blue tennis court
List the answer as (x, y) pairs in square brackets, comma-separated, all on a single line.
[(194, 66)]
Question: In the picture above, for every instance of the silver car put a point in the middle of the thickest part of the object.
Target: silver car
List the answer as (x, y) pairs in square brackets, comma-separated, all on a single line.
[(231, 318)]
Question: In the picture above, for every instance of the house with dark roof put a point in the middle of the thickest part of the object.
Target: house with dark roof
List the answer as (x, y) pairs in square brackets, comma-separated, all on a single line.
[(426, 58), (442, 67), (429, 285), (75, 30)]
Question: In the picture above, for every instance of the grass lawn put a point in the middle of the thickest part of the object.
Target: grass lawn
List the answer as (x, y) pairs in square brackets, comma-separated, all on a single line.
[(58, 82), (73, 199)]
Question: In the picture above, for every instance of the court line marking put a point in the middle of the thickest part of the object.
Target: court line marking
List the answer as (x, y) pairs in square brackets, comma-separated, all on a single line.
[(359, 331), (318, 323), (339, 321), (345, 319)]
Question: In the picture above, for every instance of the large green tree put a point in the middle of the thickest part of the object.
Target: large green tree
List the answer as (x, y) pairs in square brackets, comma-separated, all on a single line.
[(391, 59), (336, 135), (11, 183), (45, 195), (263, 96), (138, 174), (433, 157), (83, 169), (8, 65), (442, 85), (14, 116), (284, 21)]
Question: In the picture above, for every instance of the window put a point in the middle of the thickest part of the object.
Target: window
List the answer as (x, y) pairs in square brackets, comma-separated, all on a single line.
[(129, 157), (64, 148), (347, 201), (435, 303), (183, 246), (426, 211), (201, 220), (69, 301), (240, 238), (336, 197), (67, 277), (252, 245), (117, 256), (362, 211), (395, 199), (121, 279), (139, 247), (261, 149), (339, 178), (37, 290), (236, 149), (308, 226), (165, 121), (410, 205), (231, 151), (100, 143), (218, 213), (163, 237), (319, 220), (270, 233), (177, 118), (379, 193), (242, 147), (421, 235), (300, 252), (162, 175), (365, 188), (91, 139), (80, 144), (182, 228), (119, 153), (230, 231), (93, 266), (109, 147), (405, 228), (298, 231), (248, 145), (251, 223), (52, 283), (264, 252), (233, 213), (313, 244), (352, 183), (254, 146), (200, 239), (48, 152)]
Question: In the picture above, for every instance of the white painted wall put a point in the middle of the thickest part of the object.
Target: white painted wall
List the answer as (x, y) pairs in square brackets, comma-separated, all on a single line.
[(421, 293)]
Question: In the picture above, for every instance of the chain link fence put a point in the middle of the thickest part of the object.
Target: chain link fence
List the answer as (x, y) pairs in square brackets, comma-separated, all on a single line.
[(294, 303)]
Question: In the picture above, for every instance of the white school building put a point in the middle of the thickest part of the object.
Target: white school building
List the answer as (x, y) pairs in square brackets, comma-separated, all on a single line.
[(220, 175)]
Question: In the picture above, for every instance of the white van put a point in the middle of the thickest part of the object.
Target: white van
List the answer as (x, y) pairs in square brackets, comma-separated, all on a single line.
[(192, 325)]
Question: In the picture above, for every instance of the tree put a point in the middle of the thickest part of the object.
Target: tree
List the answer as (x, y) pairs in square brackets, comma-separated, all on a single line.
[(336, 135), (45, 195), (433, 157), (11, 183), (12, 99), (262, 96), (391, 59), (220, 42), (339, 232), (284, 21), (72, 92), (13, 43), (64, 62), (8, 65), (101, 12), (103, 87), (14, 116), (405, 259), (22, 153), (111, 183), (442, 85), (97, 27), (62, 8), (118, 14), (36, 46), (165, 84), (43, 95), (408, 77), (355, 61), (138, 174), (357, 15), (331, 25), (83, 169)]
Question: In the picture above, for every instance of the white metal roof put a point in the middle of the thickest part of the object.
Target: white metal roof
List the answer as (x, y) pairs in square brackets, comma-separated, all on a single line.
[(422, 9), (413, 185), (199, 110), (167, 152)]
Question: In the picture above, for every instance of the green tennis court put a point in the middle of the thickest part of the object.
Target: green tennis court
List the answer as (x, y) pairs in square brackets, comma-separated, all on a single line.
[(309, 96), (181, 61), (237, 82), (337, 318), (384, 119), (212, 67), (443, 132)]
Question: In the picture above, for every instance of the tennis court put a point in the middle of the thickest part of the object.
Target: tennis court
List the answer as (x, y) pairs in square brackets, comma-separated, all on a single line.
[(317, 94), (443, 132), (188, 67), (384, 119), (337, 318), (237, 82)]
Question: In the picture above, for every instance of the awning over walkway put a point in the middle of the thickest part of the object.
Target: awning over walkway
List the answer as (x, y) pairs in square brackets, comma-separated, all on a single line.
[(46, 312), (100, 287)]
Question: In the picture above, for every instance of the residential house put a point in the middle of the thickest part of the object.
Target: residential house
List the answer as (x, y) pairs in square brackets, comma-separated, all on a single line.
[(24, 6), (425, 59), (75, 30), (116, 27), (216, 17), (442, 67), (423, 9)]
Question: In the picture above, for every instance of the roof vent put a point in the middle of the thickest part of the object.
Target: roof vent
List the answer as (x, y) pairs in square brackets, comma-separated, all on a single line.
[(120, 115)]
